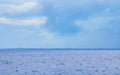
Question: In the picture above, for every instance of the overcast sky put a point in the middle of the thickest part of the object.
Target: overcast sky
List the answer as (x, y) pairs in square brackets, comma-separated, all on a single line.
[(60, 23)]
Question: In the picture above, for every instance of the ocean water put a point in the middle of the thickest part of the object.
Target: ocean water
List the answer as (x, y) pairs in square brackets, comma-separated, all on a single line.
[(60, 62)]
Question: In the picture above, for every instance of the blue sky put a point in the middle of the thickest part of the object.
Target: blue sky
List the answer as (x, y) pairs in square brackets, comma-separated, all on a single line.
[(60, 23)]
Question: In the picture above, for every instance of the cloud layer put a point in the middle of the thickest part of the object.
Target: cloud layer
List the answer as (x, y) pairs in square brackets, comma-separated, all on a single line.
[(24, 22)]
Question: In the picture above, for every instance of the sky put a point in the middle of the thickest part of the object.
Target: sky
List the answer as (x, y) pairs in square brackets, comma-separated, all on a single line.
[(59, 23)]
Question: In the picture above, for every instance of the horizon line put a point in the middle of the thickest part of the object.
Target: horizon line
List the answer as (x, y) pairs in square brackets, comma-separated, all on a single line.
[(59, 48)]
